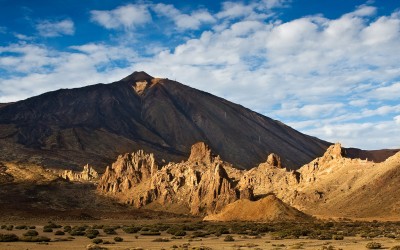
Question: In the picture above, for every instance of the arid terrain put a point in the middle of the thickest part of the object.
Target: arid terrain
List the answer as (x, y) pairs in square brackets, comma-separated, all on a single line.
[(201, 235), (137, 164)]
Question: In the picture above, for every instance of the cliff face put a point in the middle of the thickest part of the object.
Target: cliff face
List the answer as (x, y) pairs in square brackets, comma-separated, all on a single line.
[(72, 127)]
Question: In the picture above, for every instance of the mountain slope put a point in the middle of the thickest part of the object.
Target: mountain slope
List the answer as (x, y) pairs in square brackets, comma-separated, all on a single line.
[(71, 127)]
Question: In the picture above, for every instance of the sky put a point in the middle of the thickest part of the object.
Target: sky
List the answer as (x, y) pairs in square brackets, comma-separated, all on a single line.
[(330, 69)]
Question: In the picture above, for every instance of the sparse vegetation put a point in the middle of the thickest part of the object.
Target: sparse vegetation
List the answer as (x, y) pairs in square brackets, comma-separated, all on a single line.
[(97, 241), (31, 233), (229, 238), (373, 245), (131, 230), (92, 233), (109, 230), (161, 240), (35, 239), (8, 237), (59, 232), (229, 232), (118, 239)]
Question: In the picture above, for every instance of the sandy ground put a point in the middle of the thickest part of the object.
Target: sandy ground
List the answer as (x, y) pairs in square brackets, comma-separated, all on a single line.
[(137, 241)]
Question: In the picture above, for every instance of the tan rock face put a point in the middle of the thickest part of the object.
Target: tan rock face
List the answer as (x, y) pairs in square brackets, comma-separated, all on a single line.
[(331, 185), (198, 186), (88, 174), (274, 160)]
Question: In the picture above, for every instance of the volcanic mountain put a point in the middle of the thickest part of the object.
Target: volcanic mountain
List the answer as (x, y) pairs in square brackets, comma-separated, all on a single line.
[(68, 128)]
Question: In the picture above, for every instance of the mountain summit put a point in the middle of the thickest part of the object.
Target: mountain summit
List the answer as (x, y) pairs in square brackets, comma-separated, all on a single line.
[(93, 124)]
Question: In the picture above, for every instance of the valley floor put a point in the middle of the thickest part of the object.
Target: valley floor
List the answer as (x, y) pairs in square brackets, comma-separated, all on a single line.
[(203, 235)]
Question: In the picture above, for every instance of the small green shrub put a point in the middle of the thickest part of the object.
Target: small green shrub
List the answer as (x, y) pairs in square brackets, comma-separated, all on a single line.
[(53, 225), (21, 227), (150, 233), (229, 238), (118, 239), (109, 230), (47, 229), (77, 233), (8, 237), (31, 233), (373, 245), (67, 229), (59, 232), (180, 233), (131, 230), (97, 241), (92, 233), (338, 237), (395, 248)]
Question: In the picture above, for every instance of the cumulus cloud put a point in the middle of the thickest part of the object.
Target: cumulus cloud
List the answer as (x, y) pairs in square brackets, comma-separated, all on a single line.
[(384, 134), (127, 16), (389, 92), (49, 28), (184, 21), (34, 69), (336, 79)]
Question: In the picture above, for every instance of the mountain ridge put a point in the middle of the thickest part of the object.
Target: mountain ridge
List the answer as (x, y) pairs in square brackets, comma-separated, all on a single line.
[(94, 124)]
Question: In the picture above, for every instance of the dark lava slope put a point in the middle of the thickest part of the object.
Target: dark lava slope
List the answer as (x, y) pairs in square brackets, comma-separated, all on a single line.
[(71, 127)]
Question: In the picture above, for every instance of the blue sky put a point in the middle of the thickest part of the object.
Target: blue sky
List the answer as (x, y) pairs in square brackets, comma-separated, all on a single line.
[(327, 68)]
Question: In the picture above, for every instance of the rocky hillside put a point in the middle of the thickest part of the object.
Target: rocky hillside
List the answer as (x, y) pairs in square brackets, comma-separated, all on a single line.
[(329, 186), (92, 125)]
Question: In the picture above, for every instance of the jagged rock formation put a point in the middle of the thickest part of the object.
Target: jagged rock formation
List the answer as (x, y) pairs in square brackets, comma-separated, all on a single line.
[(274, 160), (71, 127), (88, 174), (269, 208), (331, 185), (198, 186)]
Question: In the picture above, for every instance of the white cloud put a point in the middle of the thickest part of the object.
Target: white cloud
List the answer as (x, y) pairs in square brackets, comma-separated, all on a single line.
[(364, 10), (371, 135), (45, 69), (183, 21), (397, 119), (127, 16), (23, 37), (390, 92), (332, 78), (55, 28)]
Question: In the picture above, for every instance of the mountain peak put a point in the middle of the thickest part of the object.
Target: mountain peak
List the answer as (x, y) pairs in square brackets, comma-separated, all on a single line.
[(138, 76)]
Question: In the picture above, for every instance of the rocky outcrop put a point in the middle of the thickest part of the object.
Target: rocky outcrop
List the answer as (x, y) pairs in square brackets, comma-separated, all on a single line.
[(329, 186), (274, 160), (198, 186), (88, 174)]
